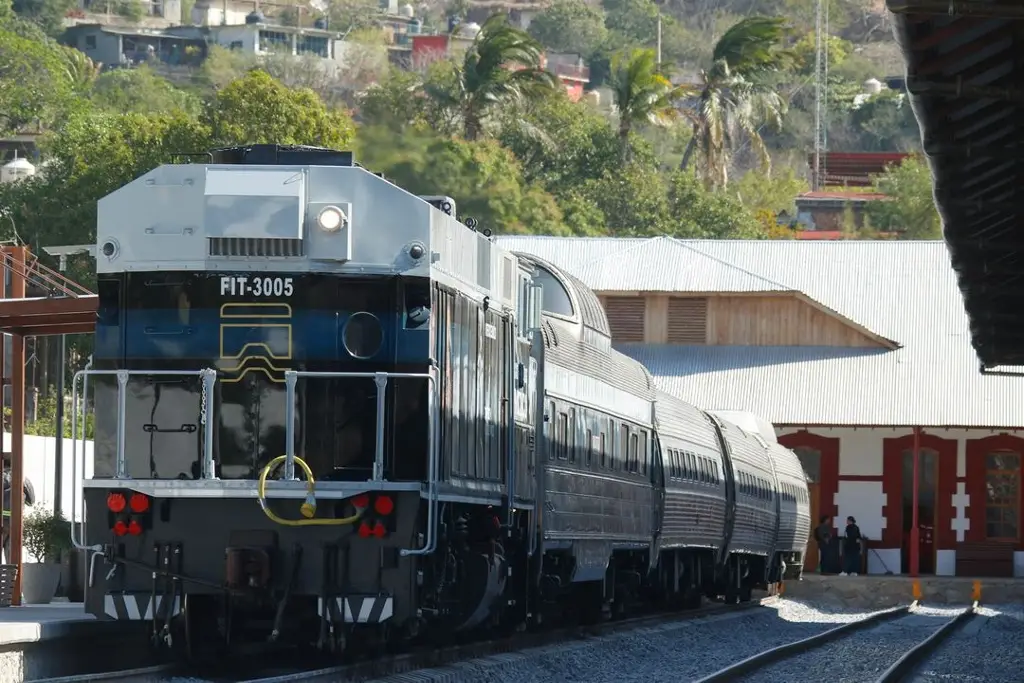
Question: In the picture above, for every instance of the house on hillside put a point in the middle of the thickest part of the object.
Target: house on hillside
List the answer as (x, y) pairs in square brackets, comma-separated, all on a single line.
[(850, 348)]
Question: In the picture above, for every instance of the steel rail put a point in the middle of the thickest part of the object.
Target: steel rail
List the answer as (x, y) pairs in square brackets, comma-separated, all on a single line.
[(908, 663), (140, 675), (781, 652), (432, 658)]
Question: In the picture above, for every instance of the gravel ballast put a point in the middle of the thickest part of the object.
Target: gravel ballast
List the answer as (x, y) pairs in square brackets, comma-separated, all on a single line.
[(684, 650)]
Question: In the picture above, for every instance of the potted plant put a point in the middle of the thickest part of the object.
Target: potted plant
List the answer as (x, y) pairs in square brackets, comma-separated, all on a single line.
[(46, 535)]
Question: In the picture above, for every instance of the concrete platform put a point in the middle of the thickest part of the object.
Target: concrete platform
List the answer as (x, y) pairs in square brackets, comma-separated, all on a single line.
[(60, 639), (875, 591)]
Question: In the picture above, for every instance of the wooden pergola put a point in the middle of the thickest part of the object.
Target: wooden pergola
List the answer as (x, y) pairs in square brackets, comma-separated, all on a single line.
[(68, 308)]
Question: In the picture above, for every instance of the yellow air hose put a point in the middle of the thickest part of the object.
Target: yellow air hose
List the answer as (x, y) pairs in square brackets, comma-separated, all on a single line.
[(308, 508)]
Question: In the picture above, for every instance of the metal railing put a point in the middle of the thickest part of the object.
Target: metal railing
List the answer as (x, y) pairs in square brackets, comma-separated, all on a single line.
[(291, 377), (80, 410)]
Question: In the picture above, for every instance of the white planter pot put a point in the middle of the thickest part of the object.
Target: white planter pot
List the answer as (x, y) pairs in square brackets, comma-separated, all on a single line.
[(39, 581)]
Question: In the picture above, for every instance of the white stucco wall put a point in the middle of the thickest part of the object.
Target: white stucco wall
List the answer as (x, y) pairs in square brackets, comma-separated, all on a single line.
[(860, 455)]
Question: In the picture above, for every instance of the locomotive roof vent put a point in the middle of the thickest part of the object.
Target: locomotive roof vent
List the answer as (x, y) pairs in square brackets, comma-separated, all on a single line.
[(282, 155)]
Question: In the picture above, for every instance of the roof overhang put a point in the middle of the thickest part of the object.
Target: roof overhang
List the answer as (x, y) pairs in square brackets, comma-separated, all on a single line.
[(964, 76), (39, 317)]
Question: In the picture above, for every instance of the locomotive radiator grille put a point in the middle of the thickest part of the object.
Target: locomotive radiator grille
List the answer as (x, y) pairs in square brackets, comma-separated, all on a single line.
[(255, 246)]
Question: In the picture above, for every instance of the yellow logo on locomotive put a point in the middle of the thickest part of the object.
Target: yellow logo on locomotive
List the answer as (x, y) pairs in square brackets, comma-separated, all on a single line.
[(255, 337)]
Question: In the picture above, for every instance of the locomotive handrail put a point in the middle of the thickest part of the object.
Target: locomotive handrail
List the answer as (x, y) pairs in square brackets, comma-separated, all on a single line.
[(291, 377), (208, 377)]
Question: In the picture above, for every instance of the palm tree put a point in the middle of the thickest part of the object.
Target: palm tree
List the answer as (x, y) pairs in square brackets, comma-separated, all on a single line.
[(502, 66), (642, 94), (734, 99)]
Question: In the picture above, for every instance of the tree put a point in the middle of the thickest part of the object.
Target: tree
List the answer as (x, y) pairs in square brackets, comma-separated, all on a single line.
[(483, 178), (501, 67), (35, 83), (256, 108), (46, 14), (910, 210), (734, 97), (140, 91), (641, 94), (570, 26), (709, 215), (562, 144)]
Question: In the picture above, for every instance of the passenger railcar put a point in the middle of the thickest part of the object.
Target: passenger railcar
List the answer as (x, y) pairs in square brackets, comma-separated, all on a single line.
[(326, 411)]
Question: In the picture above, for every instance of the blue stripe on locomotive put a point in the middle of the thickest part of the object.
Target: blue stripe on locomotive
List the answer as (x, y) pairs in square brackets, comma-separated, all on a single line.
[(316, 336)]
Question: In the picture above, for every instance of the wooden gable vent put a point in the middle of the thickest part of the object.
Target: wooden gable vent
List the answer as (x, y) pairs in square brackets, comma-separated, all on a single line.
[(626, 317), (687, 320)]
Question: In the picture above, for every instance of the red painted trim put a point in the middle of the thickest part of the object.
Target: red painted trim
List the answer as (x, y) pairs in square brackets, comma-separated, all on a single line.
[(892, 454), (861, 477), (977, 449), (828, 447)]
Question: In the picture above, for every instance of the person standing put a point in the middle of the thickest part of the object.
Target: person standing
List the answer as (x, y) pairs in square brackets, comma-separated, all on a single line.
[(851, 548), (823, 536), (30, 500)]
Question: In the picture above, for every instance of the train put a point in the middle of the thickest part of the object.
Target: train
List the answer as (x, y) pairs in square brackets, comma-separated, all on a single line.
[(328, 413)]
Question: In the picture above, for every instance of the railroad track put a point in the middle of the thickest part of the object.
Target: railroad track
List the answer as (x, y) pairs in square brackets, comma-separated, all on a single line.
[(901, 671), (417, 659)]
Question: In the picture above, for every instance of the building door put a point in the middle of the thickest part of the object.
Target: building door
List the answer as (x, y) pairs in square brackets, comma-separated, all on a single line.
[(812, 554), (927, 509), (810, 460)]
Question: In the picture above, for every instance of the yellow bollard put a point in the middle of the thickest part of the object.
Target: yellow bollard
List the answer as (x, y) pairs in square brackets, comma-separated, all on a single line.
[(976, 592), (917, 590)]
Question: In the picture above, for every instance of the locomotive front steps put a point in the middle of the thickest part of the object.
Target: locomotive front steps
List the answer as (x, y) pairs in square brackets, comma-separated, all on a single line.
[(60, 639), (878, 591)]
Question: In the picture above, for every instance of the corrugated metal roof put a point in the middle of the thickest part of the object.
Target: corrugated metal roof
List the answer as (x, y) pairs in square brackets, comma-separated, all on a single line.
[(903, 290), (658, 264)]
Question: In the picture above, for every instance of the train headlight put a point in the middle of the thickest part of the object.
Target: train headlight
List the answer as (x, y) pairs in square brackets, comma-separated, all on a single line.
[(331, 219)]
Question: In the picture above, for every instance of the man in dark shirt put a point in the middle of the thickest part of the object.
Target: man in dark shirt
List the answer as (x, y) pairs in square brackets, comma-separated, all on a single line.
[(823, 536), (30, 499), (851, 548)]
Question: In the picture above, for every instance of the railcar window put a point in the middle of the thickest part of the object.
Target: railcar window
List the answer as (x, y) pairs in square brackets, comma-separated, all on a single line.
[(572, 430), (718, 476), (604, 452), (590, 447), (634, 456), (691, 467), (562, 434), (643, 452), (622, 459), (554, 297)]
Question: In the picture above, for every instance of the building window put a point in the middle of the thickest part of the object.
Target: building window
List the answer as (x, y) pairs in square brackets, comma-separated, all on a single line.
[(1002, 499), (90, 42), (275, 41), (312, 45), (810, 458), (626, 317)]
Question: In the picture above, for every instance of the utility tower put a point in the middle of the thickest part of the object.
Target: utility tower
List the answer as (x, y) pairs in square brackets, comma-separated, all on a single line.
[(820, 93)]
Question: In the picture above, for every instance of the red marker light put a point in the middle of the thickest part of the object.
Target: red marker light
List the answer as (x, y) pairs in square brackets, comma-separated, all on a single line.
[(384, 505), (379, 531), (120, 528), (364, 530), (116, 502), (134, 528), (139, 503), (361, 502)]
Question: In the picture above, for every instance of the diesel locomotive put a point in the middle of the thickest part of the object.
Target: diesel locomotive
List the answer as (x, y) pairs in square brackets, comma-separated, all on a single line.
[(327, 412)]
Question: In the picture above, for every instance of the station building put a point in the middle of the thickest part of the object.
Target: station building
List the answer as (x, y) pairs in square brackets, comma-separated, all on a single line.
[(849, 348)]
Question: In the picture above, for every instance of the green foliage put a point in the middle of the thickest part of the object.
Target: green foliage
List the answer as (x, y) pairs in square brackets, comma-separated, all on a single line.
[(46, 535), (484, 178), (48, 15), (35, 84), (501, 67), (910, 212), (774, 192), (642, 94), (140, 91), (256, 108), (570, 26)]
